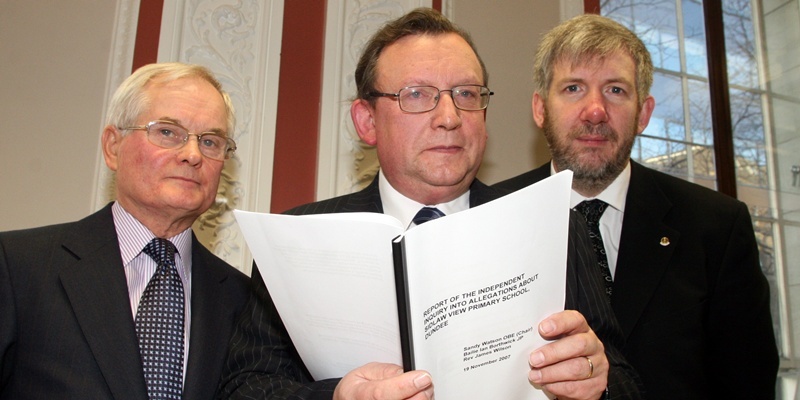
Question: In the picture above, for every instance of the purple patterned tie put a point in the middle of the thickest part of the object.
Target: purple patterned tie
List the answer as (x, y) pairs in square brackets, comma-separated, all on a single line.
[(592, 210), (159, 324), (426, 214)]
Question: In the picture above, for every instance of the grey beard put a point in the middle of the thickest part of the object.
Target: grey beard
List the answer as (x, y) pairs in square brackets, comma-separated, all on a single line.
[(588, 179)]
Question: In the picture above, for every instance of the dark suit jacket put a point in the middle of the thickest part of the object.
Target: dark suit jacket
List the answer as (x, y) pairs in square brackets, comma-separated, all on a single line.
[(265, 364), (695, 313), (66, 327)]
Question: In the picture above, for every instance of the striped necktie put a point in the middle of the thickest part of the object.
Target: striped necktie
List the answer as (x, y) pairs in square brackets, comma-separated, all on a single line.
[(426, 214)]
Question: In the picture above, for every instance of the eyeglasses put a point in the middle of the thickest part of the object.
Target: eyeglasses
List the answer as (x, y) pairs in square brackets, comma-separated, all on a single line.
[(420, 99), (170, 135)]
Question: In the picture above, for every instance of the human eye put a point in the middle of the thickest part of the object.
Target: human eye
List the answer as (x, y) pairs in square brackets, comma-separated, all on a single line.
[(467, 92), (619, 92), (571, 88), (166, 134), (616, 90), (211, 141), (416, 93), (166, 131)]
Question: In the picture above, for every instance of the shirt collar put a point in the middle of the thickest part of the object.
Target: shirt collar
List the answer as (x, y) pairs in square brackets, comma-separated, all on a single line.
[(615, 194), (133, 236), (404, 209)]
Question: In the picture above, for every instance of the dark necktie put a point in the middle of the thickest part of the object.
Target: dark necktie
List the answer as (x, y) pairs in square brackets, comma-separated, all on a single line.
[(159, 324), (426, 214), (592, 210)]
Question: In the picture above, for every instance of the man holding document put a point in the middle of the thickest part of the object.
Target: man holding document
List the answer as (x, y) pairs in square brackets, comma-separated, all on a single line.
[(422, 98)]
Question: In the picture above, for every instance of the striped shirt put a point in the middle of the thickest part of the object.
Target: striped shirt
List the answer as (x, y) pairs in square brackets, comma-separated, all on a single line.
[(139, 267)]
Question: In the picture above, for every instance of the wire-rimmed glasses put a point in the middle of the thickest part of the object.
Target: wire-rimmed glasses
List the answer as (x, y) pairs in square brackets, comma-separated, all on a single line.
[(170, 135), (420, 99)]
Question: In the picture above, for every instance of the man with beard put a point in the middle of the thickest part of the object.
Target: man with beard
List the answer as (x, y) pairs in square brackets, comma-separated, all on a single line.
[(680, 261)]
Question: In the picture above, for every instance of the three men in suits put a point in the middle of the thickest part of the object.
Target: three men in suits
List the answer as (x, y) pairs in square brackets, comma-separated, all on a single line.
[(422, 98), (687, 286), (69, 293)]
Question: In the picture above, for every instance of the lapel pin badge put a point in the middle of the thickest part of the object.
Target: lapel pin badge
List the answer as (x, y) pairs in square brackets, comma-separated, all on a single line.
[(664, 241)]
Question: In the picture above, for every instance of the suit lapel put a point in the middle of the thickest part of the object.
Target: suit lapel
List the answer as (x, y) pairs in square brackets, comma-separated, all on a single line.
[(542, 172), (207, 308), (94, 281), (480, 193), (642, 258), (365, 200)]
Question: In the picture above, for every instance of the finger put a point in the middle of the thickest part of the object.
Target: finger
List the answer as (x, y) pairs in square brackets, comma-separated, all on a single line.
[(575, 369), (576, 345), (563, 323), (378, 371), (589, 389), (426, 394), (377, 381), (405, 386), (579, 378)]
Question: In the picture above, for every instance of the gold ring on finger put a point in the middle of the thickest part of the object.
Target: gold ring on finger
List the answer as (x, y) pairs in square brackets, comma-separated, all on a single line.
[(591, 367)]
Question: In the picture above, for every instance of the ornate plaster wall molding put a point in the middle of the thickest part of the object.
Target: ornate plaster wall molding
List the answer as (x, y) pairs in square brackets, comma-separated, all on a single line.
[(239, 40), (119, 67)]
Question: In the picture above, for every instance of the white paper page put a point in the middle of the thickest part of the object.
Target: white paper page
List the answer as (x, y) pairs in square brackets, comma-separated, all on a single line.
[(335, 293), (493, 273)]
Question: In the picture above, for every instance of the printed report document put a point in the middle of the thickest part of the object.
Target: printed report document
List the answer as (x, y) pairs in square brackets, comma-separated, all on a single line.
[(473, 287)]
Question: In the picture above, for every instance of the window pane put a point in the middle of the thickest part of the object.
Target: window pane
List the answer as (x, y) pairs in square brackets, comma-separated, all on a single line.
[(748, 139), (702, 131), (656, 24), (740, 45), (786, 123), (694, 38), (782, 35), (667, 121), (665, 156)]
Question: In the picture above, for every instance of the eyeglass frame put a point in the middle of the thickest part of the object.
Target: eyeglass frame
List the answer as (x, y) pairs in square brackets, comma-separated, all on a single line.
[(396, 96), (228, 151)]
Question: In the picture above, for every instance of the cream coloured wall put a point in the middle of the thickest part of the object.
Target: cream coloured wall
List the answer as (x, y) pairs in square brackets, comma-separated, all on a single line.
[(506, 34), (53, 80)]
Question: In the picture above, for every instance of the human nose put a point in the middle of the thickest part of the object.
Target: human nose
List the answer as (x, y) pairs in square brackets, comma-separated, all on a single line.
[(594, 110), (447, 115), (190, 152)]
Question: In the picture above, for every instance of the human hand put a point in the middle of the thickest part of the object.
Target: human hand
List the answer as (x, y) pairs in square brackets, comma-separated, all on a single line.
[(376, 381), (574, 365)]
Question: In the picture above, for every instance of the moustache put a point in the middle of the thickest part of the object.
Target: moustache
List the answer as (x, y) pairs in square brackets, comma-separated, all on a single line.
[(603, 130)]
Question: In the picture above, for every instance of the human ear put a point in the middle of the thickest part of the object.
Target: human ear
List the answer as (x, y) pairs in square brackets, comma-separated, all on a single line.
[(645, 113), (538, 109), (110, 140), (361, 113)]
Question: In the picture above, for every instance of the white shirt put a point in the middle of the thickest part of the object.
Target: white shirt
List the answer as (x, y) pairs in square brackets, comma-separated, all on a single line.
[(611, 221), (404, 209), (139, 267)]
